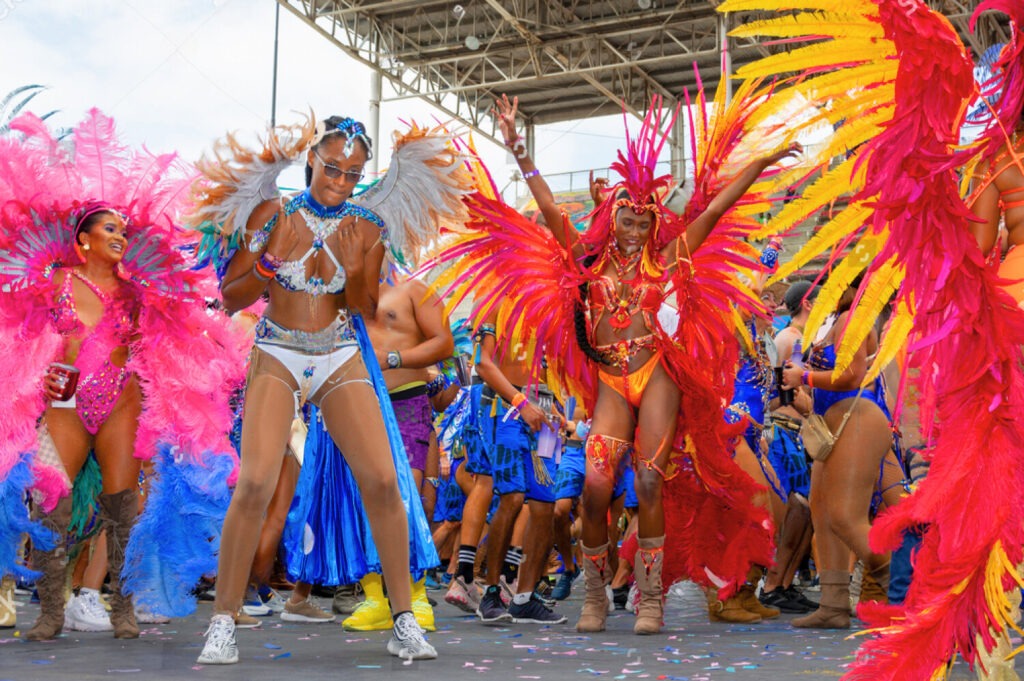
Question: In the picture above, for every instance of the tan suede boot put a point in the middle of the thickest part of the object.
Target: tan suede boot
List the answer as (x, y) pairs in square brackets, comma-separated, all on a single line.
[(647, 573), (875, 585), (747, 596), (53, 564), (834, 611), (118, 512), (595, 601), (731, 610)]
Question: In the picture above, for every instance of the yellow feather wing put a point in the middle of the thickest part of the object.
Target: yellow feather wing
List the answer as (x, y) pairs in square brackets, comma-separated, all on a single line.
[(839, 280), (880, 286)]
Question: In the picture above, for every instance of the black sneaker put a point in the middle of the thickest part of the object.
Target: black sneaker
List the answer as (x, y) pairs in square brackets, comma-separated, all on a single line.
[(491, 610), (620, 596), (778, 598), (797, 596), (534, 612)]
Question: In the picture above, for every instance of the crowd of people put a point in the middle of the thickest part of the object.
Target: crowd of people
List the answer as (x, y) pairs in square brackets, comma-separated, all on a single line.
[(639, 391)]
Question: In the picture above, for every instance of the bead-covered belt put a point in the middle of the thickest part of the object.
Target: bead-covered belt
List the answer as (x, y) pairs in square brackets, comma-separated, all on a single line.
[(322, 342)]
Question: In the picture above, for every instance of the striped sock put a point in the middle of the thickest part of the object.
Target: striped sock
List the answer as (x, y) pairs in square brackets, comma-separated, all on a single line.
[(513, 558), (467, 561)]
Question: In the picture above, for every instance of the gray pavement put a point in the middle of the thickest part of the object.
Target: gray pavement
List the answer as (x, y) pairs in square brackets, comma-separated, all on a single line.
[(690, 649)]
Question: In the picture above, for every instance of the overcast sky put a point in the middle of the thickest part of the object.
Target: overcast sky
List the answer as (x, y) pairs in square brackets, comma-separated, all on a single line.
[(176, 75)]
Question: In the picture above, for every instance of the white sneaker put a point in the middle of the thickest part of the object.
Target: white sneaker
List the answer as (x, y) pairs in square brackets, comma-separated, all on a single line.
[(220, 645), (84, 612), (633, 599), (611, 598), (407, 641), (275, 602), (253, 605)]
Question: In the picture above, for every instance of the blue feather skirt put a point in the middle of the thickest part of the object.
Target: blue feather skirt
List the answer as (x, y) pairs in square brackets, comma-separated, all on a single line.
[(176, 539), (15, 521), (327, 538)]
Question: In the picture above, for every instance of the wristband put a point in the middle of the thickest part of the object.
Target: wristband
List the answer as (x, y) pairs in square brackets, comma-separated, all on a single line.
[(270, 263), (260, 273), (517, 400), (808, 379), (532, 173)]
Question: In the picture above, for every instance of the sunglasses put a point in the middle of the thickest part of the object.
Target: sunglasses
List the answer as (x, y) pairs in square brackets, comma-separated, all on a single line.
[(334, 172)]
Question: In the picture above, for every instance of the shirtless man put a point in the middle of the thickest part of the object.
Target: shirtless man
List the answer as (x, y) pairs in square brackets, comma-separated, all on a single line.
[(410, 334)]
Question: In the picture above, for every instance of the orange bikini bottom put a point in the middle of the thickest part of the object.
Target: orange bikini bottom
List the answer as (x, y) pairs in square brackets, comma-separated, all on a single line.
[(631, 386)]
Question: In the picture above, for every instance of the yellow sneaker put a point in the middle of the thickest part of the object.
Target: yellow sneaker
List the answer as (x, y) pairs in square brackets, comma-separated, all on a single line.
[(373, 614), (421, 607)]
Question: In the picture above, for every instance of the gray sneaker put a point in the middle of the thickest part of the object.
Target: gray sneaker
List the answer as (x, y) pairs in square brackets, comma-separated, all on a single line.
[(346, 599), (220, 645), (407, 641)]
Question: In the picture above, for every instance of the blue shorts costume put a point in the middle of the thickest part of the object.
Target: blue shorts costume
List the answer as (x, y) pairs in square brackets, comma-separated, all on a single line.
[(478, 431), (786, 454), (513, 458), (450, 498)]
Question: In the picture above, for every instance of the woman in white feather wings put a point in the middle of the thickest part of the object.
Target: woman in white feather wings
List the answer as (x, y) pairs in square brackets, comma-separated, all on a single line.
[(317, 258)]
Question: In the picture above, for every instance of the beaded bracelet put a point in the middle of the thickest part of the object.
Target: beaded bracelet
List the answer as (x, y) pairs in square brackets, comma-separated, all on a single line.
[(270, 263)]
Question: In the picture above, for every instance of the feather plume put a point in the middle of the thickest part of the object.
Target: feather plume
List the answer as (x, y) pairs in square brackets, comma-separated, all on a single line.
[(421, 191), (235, 179)]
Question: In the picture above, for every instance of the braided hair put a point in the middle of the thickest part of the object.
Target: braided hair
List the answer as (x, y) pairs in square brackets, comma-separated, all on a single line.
[(580, 318)]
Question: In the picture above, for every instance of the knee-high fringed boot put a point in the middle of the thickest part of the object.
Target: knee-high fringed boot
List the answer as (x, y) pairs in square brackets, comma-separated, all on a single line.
[(595, 601), (53, 564), (118, 512), (647, 573)]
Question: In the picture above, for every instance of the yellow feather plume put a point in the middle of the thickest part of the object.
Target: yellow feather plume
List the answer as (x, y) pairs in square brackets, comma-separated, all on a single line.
[(840, 24), (839, 280), (829, 53), (826, 237), (880, 286), (894, 341), (858, 6)]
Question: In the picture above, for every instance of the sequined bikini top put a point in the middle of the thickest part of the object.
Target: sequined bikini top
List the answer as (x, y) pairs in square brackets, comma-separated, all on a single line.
[(322, 221), (65, 313)]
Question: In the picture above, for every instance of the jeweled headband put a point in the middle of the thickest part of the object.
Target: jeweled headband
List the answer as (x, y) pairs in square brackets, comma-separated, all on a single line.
[(351, 129), (92, 207)]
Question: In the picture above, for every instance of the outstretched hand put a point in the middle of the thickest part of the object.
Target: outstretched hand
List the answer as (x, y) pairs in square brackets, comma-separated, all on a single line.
[(598, 187), (505, 112), (792, 151)]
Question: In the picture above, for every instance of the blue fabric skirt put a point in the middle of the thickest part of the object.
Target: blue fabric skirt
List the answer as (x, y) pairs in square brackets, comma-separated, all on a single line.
[(327, 537)]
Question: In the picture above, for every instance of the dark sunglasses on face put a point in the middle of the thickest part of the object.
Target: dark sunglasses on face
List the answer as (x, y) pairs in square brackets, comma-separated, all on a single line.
[(334, 172)]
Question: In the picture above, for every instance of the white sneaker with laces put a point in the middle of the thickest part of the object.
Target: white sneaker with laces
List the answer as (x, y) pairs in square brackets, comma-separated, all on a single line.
[(275, 602), (220, 645), (407, 641), (84, 612)]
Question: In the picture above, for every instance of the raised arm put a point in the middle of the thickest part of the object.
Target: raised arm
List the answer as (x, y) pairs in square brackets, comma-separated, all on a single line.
[(698, 230), (505, 112)]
